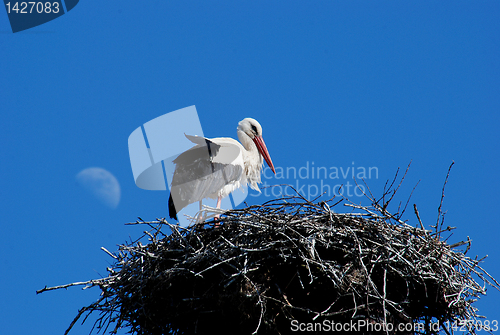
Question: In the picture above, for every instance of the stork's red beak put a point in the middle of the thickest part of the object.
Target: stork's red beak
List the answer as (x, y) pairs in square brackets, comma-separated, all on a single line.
[(261, 146)]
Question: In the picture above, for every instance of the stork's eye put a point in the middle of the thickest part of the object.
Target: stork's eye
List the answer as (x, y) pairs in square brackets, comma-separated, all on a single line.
[(254, 128)]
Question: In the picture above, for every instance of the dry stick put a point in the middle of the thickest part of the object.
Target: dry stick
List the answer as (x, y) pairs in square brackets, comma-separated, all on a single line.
[(384, 310), (283, 231), (440, 213), (91, 282), (418, 217), (408, 200), (80, 313)]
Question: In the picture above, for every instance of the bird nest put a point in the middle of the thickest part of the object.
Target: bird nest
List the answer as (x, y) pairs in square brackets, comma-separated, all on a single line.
[(288, 265)]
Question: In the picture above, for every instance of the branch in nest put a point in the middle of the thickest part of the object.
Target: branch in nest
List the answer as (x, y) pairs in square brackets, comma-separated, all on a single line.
[(288, 259)]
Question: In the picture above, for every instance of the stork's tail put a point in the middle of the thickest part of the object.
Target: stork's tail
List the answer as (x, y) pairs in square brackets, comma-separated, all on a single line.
[(171, 208)]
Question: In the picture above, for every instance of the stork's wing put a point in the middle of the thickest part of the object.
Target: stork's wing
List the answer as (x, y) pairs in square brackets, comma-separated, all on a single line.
[(204, 150), (197, 139), (202, 171)]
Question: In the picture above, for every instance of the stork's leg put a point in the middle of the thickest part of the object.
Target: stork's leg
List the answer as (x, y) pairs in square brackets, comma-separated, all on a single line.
[(200, 216), (219, 200)]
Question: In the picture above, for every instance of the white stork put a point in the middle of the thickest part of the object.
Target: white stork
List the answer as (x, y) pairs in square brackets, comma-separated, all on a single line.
[(218, 166)]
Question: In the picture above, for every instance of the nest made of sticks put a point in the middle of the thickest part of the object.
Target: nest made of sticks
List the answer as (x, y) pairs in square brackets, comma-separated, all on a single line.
[(264, 267)]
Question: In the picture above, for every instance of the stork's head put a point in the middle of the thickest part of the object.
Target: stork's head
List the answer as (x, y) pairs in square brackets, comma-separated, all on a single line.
[(251, 128)]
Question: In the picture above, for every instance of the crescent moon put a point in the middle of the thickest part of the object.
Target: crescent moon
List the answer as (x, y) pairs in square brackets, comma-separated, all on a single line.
[(102, 184)]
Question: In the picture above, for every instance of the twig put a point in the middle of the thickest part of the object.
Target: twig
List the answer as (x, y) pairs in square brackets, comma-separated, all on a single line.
[(440, 213), (248, 273)]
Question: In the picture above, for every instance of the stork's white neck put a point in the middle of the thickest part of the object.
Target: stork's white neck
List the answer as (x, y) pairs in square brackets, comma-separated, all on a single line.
[(253, 160), (246, 141)]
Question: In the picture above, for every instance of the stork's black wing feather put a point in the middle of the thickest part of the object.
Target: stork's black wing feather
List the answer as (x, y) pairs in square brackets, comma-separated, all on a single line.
[(197, 176)]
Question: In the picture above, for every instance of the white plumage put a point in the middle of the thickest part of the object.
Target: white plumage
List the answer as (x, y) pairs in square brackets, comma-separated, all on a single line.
[(216, 167)]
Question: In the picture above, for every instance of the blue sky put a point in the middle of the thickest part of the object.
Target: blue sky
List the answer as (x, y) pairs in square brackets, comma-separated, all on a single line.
[(377, 83)]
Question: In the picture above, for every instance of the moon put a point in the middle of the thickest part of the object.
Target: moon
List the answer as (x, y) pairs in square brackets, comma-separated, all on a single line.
[(102, 184)]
